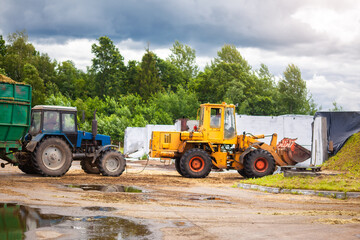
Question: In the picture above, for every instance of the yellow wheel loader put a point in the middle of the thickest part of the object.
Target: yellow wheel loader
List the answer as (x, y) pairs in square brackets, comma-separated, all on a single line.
[(215, 144)]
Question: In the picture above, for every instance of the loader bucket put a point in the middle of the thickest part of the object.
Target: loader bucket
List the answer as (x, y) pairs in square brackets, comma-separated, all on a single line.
[(291, 152)]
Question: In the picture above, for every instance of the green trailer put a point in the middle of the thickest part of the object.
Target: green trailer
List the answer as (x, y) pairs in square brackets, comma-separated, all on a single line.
[(15, 117)]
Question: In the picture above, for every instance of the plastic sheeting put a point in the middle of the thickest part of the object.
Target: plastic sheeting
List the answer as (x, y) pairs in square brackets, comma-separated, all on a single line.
[(340, 126)]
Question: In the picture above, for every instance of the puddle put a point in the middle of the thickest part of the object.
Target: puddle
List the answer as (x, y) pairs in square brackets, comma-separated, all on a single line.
[(100, 209), (106, 188), (208, 199), (23, 222)]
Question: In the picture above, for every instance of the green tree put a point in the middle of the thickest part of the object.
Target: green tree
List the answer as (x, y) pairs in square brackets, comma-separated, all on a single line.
[(170, 75), (108, 68), (336, 107), (184, 58), (293, 92), (31, 76), (132, 72), (2, 47), (18, 53), (265, 94), (148, 80), (229, 77)]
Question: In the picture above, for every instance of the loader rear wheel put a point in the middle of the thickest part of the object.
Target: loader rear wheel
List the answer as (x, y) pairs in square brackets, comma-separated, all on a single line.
[(259, 163), (52, 157), (111, 163), (88, 167), (195, 163), (177, 166)]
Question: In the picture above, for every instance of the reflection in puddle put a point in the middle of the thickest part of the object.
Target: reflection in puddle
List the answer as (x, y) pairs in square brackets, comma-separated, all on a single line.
[(18, 221), (106, 188)]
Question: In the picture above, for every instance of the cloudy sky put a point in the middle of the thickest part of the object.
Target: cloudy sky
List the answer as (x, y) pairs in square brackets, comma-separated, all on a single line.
[(321, 37)]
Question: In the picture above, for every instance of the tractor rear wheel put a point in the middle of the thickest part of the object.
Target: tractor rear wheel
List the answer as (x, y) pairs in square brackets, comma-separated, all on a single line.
[(88, 166), (259, 163), (52, 157), (111, 163), (177, 166), (195, 163)]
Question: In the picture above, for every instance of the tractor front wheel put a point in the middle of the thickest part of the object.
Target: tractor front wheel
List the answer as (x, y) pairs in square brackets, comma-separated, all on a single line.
[(111, 163), (52, 157), (259, 163), (195, 163)]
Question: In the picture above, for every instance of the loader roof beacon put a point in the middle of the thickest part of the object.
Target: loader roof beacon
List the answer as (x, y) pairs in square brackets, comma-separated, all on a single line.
[(45, 140), (215, 144)]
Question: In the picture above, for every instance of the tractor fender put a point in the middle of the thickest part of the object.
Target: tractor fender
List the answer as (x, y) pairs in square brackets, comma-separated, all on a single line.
[(102, 149), (34, 142)]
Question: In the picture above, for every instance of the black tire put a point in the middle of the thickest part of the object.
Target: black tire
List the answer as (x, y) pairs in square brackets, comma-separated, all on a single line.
[(25, 162), (195, 163), (111, 163), (177, 166), (52, 157), (88, 167), (259, 163), (242, 173), (27, 168)]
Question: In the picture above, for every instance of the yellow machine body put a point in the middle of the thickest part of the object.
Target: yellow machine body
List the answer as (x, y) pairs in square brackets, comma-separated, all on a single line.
[(216, 134)]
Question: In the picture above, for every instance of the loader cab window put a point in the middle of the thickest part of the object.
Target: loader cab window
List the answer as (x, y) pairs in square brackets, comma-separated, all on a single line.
[(229, 123), (215, 118), (35, 123), (201, 121), (51, 121)]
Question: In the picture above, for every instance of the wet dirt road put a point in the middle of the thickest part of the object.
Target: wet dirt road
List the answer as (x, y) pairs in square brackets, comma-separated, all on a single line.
[(83, 206)]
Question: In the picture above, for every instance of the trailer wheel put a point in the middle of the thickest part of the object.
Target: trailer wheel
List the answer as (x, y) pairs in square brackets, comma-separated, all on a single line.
[(195, 163), (177, 166), (27, 168), (88, 167), (111, 163), (259, 163), (25, 162), (52, 157)]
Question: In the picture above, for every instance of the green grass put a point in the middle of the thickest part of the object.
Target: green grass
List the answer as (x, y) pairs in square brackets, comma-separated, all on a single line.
[(341, 182)]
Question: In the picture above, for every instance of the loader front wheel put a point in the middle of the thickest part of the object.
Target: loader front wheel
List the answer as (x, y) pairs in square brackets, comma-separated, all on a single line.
[(195, 163), (258, 163)]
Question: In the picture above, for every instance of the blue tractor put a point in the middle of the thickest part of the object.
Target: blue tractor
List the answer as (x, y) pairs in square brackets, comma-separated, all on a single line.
[(53, 142)]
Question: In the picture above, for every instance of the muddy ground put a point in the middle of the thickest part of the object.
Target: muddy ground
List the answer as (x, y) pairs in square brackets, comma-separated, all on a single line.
[(173, 207)]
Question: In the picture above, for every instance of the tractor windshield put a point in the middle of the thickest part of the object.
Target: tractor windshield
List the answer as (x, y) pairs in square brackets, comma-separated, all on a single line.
[(229, 123), (35, 123), (51, 121)]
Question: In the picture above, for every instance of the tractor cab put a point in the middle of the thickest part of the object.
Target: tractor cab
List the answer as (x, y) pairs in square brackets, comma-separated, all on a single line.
[(217, 122), (54, 120)]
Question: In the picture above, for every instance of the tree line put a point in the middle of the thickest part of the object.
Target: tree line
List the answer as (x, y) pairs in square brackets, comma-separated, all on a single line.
[(154, 90)]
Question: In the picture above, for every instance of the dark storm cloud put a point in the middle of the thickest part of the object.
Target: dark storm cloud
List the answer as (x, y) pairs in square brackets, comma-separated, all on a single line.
[(202, 24)]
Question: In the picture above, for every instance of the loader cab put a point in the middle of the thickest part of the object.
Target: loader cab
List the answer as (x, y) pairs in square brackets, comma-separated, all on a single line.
[(217, 123), (54, 120)]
